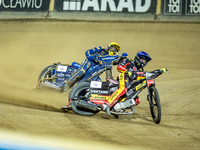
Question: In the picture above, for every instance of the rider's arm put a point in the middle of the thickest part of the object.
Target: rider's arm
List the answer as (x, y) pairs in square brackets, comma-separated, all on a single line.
[(122, 67), (140, 75), (117, 61), (91, 52), (159, 72), (155, 73)]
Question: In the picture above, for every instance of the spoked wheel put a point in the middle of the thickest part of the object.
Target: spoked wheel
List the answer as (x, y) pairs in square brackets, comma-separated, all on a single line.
[(155, 105), (80, 90), (47, 73)]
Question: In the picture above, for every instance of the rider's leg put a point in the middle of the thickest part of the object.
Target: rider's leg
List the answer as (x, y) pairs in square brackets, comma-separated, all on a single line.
[(84, 66), (117, 94), (75, 77), (68, 83)]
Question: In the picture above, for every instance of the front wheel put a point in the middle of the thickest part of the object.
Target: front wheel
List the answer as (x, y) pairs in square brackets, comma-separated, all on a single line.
[(80, 90), (155, 105)]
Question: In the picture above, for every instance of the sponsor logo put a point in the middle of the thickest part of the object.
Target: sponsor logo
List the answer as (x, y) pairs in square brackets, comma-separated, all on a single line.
[(140, 85), (140, 6), (108, 58), (193, 7), (149, 82), (60, 74), (61, 78), (114, 95), (62, 68), (67, 75), (97, 72), (99, 91), (113, 81), (70, 70), (21, 3), (95, 66), (99, 97), (95, 84), (173, 7)]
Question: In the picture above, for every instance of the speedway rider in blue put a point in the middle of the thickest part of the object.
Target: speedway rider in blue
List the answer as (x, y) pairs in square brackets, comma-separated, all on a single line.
[(91, 55)]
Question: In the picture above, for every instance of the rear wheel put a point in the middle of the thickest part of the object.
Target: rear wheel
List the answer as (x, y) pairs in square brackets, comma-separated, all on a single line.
[(80, 90), (46, 73), (155, 105)]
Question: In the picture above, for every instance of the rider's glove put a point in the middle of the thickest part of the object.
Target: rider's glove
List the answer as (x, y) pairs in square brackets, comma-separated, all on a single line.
[(93, 58), (98, 49), (124, 54), (163, 70)]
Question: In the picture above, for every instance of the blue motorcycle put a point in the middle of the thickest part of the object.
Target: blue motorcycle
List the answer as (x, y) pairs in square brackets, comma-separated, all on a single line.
[(53, 76)]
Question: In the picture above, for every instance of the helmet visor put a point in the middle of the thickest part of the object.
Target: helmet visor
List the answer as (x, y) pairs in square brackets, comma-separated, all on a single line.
[(144, 62), (113, 49)]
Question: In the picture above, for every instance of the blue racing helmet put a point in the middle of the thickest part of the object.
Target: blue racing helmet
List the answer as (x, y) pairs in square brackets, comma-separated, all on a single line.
[(141, 59)]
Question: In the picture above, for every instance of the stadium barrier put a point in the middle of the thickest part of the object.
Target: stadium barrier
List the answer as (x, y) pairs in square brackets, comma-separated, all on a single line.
[(180, 11), (102, 10)]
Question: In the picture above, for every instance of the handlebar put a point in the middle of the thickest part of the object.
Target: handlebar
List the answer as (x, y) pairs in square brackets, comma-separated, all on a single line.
[(156, 73)]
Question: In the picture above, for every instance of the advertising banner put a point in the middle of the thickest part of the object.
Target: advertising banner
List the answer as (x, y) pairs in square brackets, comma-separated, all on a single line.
[(107, 6), (24, 5), (192, 7), (181, 7)]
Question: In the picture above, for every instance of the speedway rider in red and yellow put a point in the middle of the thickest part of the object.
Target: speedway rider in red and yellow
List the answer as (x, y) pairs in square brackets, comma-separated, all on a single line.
[(129, 69)]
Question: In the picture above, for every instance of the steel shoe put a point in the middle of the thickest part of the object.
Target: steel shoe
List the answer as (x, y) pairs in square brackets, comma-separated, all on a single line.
[(106, 108)]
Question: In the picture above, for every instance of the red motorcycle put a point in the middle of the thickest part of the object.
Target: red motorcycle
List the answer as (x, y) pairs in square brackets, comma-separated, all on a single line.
[(87, 97)]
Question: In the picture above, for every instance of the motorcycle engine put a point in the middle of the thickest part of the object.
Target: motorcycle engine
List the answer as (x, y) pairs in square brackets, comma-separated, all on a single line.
[(126, 104)]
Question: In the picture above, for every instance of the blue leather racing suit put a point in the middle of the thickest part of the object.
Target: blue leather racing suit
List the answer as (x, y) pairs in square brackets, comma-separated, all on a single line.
[(91, 55)]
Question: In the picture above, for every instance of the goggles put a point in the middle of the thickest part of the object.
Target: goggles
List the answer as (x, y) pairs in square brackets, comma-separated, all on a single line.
[(113, 49), (143, 61)]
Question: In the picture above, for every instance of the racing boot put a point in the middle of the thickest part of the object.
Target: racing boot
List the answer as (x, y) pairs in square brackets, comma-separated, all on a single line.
[(68, 106), (106, 108), (65, 88)]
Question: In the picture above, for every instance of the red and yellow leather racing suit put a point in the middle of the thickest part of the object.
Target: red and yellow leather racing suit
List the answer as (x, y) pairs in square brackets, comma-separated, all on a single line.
[(126, 65)]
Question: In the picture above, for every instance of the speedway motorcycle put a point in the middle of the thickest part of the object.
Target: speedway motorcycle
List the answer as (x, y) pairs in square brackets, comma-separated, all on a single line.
[(53, 76), (87, 98)]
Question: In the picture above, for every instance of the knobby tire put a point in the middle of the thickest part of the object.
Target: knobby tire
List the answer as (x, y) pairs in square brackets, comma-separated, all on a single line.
[(155, 107), (46, 71), (76, 91)]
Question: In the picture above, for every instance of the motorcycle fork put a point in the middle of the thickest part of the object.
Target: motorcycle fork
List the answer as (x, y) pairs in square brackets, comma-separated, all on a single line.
[(150, 83), (149, 97)]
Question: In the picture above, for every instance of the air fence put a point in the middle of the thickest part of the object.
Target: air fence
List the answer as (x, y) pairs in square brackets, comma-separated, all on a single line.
[(102, 10)]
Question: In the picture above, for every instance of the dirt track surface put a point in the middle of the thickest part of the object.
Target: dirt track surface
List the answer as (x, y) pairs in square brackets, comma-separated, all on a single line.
[(30, 116)]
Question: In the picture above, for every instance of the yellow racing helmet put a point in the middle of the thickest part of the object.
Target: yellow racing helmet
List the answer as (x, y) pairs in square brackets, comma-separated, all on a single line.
[(113, 48)]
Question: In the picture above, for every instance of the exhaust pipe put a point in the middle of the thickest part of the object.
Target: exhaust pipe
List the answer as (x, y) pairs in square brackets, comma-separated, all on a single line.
[(51, 85), (89, 106)]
